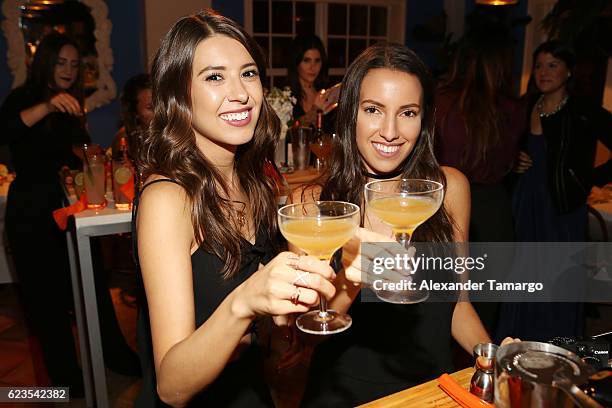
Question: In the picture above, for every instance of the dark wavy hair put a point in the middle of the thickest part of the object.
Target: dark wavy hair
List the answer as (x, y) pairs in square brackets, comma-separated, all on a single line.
[(301, 44), (41, 78), (169, 148), (479, 73), (129, 106), (347, 176)]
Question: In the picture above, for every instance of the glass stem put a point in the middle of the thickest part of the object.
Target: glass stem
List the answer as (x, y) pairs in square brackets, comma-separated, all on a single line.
[(403, 238), (322, 300)]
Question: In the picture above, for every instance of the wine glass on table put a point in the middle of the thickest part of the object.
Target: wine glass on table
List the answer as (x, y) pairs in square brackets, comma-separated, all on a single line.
[(404, 204), (321, 146), (320, 229)]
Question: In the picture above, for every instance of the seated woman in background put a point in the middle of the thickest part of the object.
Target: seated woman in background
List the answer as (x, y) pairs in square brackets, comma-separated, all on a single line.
[(308, 78), (136, 112), (386, 119), (206, 223)]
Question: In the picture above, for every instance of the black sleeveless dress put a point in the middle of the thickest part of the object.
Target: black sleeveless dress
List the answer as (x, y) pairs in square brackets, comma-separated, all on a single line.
[(241, 383), (388, 348)]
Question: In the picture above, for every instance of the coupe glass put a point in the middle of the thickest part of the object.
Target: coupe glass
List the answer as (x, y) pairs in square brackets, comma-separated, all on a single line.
[(404, 205), (320, 229)]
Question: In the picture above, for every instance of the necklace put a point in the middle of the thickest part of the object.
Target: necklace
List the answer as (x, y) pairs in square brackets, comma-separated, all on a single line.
[(540, 107), (241, 213)]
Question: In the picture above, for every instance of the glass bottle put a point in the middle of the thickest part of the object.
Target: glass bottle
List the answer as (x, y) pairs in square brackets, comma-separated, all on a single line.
[(123, 176)]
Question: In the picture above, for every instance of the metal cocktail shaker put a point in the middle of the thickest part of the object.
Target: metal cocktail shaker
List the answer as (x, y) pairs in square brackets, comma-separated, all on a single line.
[(483, 381)]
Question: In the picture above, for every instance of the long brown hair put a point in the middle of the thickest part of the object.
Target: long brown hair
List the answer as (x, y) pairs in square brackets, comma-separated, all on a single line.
[(347, 176), (479, 73), (41, 78), (170, 150)]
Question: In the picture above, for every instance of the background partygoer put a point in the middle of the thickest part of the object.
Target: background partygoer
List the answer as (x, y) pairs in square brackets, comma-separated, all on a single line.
[(478, 128), (136, 112), (308, 76), (556, 177), (43, 121)]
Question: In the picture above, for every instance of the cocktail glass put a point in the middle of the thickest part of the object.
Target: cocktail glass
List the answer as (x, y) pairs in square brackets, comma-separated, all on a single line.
[(320, 229), (321, 147), (404, 204)]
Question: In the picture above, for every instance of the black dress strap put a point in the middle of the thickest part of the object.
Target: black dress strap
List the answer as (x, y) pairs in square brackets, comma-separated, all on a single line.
[(158, 181)]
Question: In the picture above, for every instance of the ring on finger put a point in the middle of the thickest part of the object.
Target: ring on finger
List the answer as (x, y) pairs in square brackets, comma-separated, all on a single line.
[(295, 298), (301, 277)]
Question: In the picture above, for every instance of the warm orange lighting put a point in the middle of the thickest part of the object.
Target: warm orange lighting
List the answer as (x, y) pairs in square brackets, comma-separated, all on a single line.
[(496, 2)]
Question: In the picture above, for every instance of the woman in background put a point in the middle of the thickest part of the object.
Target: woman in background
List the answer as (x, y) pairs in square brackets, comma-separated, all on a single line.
[(550, 200), (136, 112), (308, 79), (478, 128), (43, 121)]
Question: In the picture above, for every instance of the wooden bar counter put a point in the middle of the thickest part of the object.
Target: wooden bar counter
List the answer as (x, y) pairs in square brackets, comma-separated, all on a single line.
[(428, 394)]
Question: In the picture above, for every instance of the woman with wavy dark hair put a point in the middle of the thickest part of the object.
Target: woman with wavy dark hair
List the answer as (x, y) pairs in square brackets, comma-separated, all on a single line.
[(308, 77), (42, 121), (385, 131), (136, 112), (206, 222)]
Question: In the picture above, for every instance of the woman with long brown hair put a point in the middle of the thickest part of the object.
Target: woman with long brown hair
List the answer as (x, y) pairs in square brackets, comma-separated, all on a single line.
[(206, 221), (478, 127), (385, 131), (42, 122)]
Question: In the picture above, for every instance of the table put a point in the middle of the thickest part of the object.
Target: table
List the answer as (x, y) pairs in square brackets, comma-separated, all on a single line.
[(428, 394), (90, 223), (299, 177)]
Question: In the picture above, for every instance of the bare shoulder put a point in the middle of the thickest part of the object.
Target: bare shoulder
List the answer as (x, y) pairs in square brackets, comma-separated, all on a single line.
[(455, 180), (457, 202), (305, 194), (164, 204)]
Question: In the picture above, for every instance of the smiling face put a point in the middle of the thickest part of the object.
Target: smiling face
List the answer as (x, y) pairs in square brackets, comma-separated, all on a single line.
[(66, 67), (388, 119), (551, 74), (226, 95), (310, 66)]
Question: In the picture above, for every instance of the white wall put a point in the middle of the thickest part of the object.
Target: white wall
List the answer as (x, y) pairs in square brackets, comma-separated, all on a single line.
[(161, 14)]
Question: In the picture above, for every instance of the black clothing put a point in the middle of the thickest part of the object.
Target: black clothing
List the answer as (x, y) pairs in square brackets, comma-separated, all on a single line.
[(241, 383), (387, 349), (37, 244), (39, 247), (571, 140)]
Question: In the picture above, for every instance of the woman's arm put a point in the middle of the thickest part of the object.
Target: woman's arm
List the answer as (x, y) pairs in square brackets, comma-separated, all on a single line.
[(466, 326), (188, 359), (165, 243), (62, 102)]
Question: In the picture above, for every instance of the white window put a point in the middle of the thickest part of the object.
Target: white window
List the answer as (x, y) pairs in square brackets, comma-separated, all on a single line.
[(346, 28)]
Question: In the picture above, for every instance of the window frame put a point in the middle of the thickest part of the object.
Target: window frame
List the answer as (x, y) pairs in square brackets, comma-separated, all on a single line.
[(396, 21)]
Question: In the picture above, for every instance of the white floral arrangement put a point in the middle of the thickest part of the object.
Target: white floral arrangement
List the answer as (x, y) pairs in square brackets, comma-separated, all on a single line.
[(282, 102)]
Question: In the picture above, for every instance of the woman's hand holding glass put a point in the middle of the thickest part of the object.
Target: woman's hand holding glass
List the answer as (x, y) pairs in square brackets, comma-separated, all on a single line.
[(359, 253), (287, 284), (327, 99)]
